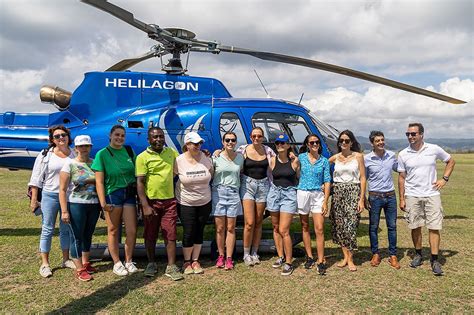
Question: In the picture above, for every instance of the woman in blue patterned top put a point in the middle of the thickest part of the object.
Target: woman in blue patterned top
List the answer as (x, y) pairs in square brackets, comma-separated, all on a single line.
[(313, 194)]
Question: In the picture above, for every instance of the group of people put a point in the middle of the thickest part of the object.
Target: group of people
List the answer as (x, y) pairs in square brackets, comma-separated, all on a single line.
[(246, 180)]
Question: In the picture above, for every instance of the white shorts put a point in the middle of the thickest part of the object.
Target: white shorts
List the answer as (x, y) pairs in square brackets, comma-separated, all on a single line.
[(310, 200)]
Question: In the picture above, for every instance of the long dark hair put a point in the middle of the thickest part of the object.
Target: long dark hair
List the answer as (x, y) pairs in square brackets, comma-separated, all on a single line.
[(355, 145), (305, 147), (51, 131)]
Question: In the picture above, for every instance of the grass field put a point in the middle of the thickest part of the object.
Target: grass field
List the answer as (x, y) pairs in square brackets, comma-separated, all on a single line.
[(257, 290)]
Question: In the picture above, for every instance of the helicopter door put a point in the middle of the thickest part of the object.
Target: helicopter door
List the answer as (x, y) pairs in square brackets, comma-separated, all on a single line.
[(225, 120)]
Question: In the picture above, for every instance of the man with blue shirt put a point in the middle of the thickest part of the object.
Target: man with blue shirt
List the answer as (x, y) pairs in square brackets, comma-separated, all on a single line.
[(379, 165)]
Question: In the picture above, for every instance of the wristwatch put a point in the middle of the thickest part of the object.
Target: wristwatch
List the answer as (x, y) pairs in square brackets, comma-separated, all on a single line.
[(446, 178)]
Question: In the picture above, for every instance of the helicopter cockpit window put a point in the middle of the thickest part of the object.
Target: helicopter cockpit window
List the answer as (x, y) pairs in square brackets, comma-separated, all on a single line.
[(328, 132), (275, 123), (231, 122)]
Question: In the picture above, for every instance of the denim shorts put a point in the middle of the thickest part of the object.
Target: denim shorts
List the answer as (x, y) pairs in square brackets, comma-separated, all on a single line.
[(226, 201), (254, 189), (281, 199), (119, 198)]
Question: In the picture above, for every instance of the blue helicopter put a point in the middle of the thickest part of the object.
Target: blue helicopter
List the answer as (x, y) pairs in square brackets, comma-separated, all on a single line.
[(176, 102)]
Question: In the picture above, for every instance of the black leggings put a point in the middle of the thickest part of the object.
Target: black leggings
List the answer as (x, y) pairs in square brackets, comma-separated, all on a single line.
[(193, 219)]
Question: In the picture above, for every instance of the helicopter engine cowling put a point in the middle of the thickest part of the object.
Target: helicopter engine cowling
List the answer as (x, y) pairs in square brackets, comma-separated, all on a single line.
[(56, 96)]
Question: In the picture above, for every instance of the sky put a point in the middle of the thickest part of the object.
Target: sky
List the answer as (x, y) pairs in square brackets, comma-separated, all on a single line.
[(429, 44)]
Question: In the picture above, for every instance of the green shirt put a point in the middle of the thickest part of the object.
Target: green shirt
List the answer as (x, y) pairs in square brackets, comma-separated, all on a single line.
[(118, 168), (158, 170), (227, 172)]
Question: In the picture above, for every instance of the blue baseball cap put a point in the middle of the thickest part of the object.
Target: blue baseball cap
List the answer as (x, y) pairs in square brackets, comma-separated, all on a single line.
[(282, 137)]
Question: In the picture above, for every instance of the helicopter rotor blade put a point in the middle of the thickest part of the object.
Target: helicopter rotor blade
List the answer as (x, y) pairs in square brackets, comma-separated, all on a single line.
[(130, 62), (336, 69)]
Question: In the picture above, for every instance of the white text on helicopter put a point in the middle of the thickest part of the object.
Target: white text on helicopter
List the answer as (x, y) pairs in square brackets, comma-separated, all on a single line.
[(156, 84)]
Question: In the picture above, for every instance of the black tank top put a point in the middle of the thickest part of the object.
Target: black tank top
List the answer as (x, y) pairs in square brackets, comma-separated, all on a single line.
[(283, 174), (255, 169)]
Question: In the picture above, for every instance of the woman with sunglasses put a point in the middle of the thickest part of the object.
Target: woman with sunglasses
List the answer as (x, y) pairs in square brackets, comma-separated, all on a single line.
[(313, 195), (226, 205), (193, 194), (281, 202), (114, 168), (80, 207), (253, 192), (348, 195), (45, 175)]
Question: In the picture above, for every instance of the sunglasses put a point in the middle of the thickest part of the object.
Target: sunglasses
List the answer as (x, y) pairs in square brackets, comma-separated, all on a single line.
[(83, 146), (411, 134), (314, 142), (280, 142), (227, 140), (196, 144), (257, 136), (59, 136), (346, 141)]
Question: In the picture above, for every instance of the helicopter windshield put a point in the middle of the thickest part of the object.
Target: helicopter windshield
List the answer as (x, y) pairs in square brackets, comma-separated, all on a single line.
[(328, 132)]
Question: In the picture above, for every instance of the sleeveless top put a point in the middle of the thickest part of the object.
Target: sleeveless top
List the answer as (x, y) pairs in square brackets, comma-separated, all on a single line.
[(284, 175), (255, 169), (346, 172)]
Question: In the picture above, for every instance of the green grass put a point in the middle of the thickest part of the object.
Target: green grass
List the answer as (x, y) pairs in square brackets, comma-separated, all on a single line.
[(257, 290)]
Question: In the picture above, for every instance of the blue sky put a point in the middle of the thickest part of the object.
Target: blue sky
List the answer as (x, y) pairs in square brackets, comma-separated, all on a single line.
[(429, 44)]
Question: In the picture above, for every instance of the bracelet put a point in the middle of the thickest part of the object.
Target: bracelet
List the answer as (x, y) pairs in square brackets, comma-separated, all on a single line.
[(446, 178)]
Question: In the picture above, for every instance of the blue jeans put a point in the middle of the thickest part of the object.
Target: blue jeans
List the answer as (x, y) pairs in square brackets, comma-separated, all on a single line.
[(389, 204), (50, 207), (83, 218)]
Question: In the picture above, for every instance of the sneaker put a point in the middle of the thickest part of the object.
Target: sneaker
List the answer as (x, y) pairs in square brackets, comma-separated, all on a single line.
[(220, 261), (255, 259), (131, 267), (187, 268), (287, 269), (309, 263), (321, 268), (119, 269), (417, 261), (229, 264), (197, 267), (89, 268), (150, 270), (45, 271), (173, 272), (279, 262), (436, 267), (248, 261), (68, 264), (83, 275)]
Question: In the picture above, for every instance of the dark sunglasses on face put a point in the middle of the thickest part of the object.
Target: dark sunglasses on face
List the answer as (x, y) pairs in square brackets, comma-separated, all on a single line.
[(411, 134), (314, 142), (196, 144), (346, 141), (280, 142), (59, 136), (230, 140), (257, 136)]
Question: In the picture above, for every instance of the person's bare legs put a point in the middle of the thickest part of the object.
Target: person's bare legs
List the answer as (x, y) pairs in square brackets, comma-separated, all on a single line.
[(249, 218), (114, 220), (344, 261), (220, 233), (130, 220), (284, 231), (230, 237), (275, 216), (417, 238), (257, 232), (304, 219), (318, 221), (435, 240)]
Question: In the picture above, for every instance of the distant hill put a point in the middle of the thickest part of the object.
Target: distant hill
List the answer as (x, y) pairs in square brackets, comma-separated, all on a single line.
[(451, 145)]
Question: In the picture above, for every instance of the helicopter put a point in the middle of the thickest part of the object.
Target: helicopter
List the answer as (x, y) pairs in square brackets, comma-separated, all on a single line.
[(173, 100)]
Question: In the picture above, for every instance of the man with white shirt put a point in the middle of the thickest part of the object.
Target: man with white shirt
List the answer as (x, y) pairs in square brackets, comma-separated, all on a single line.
[(419, 191)]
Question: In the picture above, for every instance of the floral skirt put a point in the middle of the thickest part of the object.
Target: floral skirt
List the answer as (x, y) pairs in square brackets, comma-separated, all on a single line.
[(344, 216)]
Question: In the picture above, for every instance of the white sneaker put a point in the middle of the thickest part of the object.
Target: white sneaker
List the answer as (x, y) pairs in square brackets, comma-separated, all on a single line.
[(45, 271), (131, 267), (119, 269), (256, 259), (68, 264), (248, 260)]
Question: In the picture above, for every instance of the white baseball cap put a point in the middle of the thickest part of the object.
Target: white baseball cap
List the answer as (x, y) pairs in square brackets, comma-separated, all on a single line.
[(193, 137), (82, 140)]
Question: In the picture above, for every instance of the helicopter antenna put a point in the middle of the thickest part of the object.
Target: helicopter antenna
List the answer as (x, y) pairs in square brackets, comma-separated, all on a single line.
[(266, 92), (187, 61), (301, 98)]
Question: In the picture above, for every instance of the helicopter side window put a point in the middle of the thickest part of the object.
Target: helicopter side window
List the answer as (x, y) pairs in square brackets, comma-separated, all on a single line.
[(231, 122), (275, 123), (329, 133)]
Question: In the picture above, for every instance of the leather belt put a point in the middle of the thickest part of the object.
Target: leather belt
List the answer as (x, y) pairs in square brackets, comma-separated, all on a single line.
[(382, 194)]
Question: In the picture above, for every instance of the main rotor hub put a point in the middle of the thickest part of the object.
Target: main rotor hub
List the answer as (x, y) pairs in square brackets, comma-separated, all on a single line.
[(180, 32)]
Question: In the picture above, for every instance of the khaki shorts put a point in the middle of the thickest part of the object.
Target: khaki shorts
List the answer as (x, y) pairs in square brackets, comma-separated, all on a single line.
[(422, 211)]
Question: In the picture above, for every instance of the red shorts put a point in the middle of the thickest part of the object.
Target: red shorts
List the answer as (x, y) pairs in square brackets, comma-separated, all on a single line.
[(166, 217)]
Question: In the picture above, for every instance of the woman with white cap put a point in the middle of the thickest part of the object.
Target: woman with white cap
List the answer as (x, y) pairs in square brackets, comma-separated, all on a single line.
[(193, 194), (79, 205)]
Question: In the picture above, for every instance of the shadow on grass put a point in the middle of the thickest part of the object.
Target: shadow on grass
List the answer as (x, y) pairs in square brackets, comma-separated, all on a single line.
[(105, 296)]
